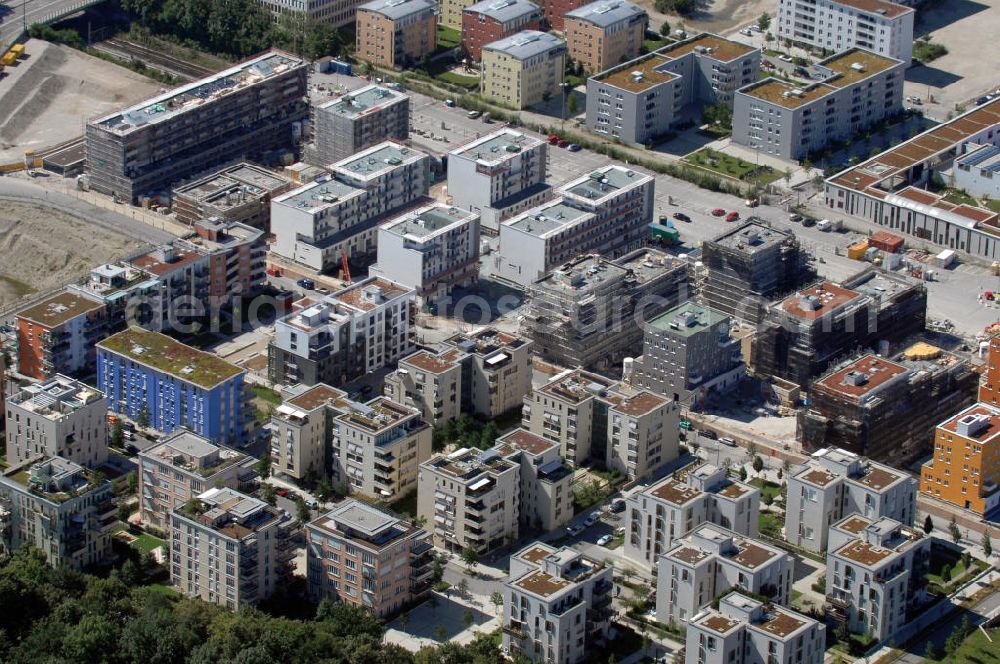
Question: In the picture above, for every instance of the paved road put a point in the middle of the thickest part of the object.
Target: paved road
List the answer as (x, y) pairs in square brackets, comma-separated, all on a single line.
[(17, 13)]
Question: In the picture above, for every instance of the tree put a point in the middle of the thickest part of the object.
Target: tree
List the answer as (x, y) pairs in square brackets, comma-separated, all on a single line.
[(440, 633), (928, 524), (468, 618), (743, 473), (843, 632), (118, 434), (946, 573), (788, 176), (496, 599), (572, 108), (752, 449), (302, 512), (956, 534), (929, 651), (470, 557), (130, 574), (665, 28), (764, 22), (268, 494), (263, 465), (124, 512), (324, 489), (987, 544), (758, 464), (404, 619), (768, 499), (462, 587), (142, 421)]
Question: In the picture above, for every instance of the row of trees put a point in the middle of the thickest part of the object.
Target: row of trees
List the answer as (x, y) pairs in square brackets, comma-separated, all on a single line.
[(60, 616)]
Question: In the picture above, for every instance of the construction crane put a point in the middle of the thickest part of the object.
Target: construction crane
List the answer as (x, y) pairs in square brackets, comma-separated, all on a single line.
[(345, 270)]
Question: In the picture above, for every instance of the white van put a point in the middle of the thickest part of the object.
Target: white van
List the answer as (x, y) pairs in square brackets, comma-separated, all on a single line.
[(825, 225)]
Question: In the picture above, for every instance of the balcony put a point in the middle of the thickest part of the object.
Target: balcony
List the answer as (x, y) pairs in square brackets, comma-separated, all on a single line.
[(838, 607), (515, 629)]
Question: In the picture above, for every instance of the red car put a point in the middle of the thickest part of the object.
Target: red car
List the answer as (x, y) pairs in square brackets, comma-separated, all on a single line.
[(553, 139), (732, 216), (282, 492), (718, 212)]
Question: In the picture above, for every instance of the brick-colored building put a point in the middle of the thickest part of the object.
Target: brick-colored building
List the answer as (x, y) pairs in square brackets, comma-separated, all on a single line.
[(966, 463), (57, 335), (605, 33), (989, 387), (493, 20), (396, 33), (555, 11)]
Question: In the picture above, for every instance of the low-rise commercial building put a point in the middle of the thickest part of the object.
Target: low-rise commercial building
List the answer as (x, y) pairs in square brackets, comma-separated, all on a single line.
[(361, 556), (182, 466), (605, 33), (57, 417), (745, 630), (834, 484), (883, 27), (665, 511), (240, 193), (60, 508), (432, 250), (887, 409), (642, 99), (711, 560), (492, 20), (256, 539), (498, 176), (970, 438), (876, 572), (396, 33), (172, 385), (524, 69), (358, 120), (302, 431), (556, 604), (856, 90)]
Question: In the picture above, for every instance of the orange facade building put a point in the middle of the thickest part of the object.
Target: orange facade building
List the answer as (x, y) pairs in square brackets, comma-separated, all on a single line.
[(989, 387), (966, 462)]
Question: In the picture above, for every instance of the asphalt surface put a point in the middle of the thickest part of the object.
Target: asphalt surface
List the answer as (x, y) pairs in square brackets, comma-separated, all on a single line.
[(18, 13)]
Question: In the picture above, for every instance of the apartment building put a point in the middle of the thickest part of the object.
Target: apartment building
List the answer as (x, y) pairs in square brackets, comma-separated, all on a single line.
[(642, 434), (377, 448), (749, 265), (498, 176), (710, 560), (496, 370), (358, 120), (882, 27), (361, 556), (250, 109), (302, 431), (589, 311), (492, 20), (60, 417), (359, 329), (605, 33), (546, 498), (744, 630), (662, 513), (556, 604), (182, 466), (433, 250), (855, 90), (336, 13), (470, 499), (642, 99), (524, 69), (235, 257), (174, 385), (320, 221), (989, 386), (230, 549), (973, 170), (555, 12), (431, 383), (606, 212), (241, 193), (396, 33), (60, 508), (57, 335), (969, 435), (834, 484), (887, 409), (688, 353), (876, 572), (804, 334)]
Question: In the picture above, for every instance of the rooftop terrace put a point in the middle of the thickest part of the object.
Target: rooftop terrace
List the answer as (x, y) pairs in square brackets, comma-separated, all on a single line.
[(816, 301), (577, 386)]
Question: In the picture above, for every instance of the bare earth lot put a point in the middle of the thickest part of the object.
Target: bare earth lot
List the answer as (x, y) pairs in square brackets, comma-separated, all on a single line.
[(42, 248), (713, 15)]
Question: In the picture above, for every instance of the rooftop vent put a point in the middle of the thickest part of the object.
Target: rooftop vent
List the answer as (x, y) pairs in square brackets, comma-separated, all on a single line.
[(855, 378), (810, 303), (857, 66), (972, 425)]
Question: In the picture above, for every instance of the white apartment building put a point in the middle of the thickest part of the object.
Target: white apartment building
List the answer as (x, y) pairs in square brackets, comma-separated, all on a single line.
[(430, 382), (359, 329), (378, 447), (229, 548), (876, 571), (59, 507), (882, 27), (835, 483), (660, 514), (60, 417), (744, 631), (315, 223), (642, 434), (711, 560), (606, 212), (856, 89), (337, 13), (498, 176), (184, 465), (432, 250), (556, 603), (497, 371), (546, 498), (301, 431)]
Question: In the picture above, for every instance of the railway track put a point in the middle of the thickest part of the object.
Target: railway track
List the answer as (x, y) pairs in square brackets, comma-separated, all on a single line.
[(154, 59)]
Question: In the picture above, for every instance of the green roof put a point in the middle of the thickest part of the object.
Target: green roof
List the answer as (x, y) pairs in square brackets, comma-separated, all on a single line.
[(701, 318), (170, 356)]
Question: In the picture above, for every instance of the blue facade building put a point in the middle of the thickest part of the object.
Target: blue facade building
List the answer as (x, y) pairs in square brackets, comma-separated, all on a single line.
[(176, 385)]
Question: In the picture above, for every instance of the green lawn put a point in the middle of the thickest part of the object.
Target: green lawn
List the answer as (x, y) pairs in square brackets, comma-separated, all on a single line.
[(993, 205), (924, 51), (448, 38), (267, 394), (164, 590), (957, 196), (734, 167), (977, 649), (145, 543), (407, 504), (19, 287), (770, 524), (471, 82), (766, 488), (652, 44)]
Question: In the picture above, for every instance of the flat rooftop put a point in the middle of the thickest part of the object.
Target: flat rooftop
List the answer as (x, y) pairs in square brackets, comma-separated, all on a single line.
[(708, 45), (606, 13), (527, 44), (244, 177), (861, 377), (983, 158), (817, 301), (377, 415), (536, 553), (378, 159), (367, 294), (864, 553), (171, 357), (59, 309), (431, 363), (674, 492), (191, 96), (986, 413), (816, 476), (578, 386), (504, 10), (428, 222), (541, 584), (363, 525), (717, 623), (163, 260), (398, 9), (640, 404), (688, 319), (854, 524), (605, 182), (581, 274), (519, 439), (751, 555), (690, 555), (318, 195), (363, 101), (877, 7), (780, 623), (497, 146), (319, 395), (752, 237), (650, 264), (638, 75), (548, 219)]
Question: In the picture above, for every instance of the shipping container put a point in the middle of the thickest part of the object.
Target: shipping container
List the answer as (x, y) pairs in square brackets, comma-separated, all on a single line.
[(9, 58), (340, 67), (887, 242), (17, 49), (857, 251)]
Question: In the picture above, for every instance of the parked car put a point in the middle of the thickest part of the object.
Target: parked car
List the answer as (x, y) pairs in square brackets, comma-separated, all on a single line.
[(728, 442), (308, 284), (573, 147), (473, 114), (282, 492), (591, 519), (311, 503), (751, 202), (680, 216), (563, 143), (718, 212), (785, 58), (802, 71), (573, 531), (618, 505), (982, 100), (450, 103), (603, 540), (131, 449), (711, 435), (553, 139), (808, 221), (795, 218), (825, 225), (732, 216)]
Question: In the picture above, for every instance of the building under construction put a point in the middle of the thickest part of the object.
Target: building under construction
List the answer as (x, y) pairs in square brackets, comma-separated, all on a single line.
[(887, 409), (358, 120), (249, 110), (589, 312), (240, 193), (826, 323), (751, 264)]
